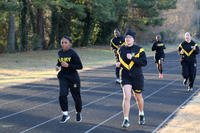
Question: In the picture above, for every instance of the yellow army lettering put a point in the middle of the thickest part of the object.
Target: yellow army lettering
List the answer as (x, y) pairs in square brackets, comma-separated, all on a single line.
[(65, 59), (160, 45)]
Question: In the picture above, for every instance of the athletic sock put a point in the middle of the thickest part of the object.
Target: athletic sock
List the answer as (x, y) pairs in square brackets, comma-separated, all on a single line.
[(126, 118), (65, 112), (141, 113)]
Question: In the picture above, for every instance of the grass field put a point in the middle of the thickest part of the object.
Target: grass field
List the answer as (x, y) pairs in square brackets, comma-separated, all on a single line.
[(36, 65)]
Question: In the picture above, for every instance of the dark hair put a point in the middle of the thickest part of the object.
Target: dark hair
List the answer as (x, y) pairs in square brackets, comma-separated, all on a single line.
[(131, 33), (68, 38)]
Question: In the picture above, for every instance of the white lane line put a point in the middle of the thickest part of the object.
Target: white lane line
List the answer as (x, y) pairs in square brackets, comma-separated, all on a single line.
[(104, 98), (95, 102), (172, 114), (115, 115), (40, 105), (94, 127), (84, 106)]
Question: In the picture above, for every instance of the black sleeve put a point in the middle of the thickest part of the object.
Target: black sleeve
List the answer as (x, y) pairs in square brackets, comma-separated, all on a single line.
[(113, 47), (76, 62), (153, 47), (58, 62), (141, 61), (197, 50), (179, 48), (116, 55), (164, 46)]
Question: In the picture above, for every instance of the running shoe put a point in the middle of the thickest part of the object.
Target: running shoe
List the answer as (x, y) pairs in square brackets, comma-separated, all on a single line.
[(118, 81), (161, 76), (78, 117), (125, 123), (189, 89), (65, 118), (141, 120), (185, 82)]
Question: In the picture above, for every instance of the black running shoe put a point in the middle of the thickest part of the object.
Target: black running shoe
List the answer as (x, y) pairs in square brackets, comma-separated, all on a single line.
[(185, 82), (78, 117), (189, 89), (125, 123), (118, 81), (65, 118), (141, 120)]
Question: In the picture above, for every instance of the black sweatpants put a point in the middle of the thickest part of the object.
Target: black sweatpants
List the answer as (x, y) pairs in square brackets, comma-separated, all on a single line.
[(117, 72), (65, 86), (189, 71)]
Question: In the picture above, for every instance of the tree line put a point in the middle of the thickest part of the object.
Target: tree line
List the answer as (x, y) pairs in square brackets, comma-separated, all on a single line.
[(39, 24)]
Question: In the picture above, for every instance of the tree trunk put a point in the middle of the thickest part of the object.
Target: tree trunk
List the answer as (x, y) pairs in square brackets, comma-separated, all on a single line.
[(54, 29), (11, 33), (87, 29), (23, 27), (40, 28), (32, 16)]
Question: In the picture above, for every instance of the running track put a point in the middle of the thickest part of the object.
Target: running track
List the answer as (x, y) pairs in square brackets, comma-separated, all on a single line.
[(34, 108)]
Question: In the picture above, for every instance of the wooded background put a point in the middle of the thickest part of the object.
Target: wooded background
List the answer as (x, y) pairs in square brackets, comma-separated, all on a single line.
[(39, 24)]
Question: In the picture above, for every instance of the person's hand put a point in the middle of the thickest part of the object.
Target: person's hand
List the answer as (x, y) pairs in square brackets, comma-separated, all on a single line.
[(181, 52), (64, 64), (193, 47), (129, 56), (57, 68), (118, 64)]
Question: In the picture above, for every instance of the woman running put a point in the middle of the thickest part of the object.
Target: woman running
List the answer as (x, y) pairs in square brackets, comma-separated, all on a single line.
[(68, 63)]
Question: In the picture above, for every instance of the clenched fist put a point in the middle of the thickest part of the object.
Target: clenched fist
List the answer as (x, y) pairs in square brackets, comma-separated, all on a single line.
[(129, 56), (118, 64), (64, 64), (57, 68)]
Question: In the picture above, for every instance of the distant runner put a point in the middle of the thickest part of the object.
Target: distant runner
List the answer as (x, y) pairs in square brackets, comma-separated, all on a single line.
[(188, 50), (115, 44), (159, 47)]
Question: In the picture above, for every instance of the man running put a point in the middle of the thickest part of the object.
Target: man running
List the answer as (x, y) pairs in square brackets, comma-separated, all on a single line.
[(159, 47), (115, 44), (132, 58), (188, 50)]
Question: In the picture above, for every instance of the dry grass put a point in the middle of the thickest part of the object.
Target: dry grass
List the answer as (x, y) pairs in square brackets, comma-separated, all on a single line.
[(36, 65), (186, 120)]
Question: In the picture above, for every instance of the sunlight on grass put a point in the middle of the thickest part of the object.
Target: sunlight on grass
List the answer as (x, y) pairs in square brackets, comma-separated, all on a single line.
[(37, 65)]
